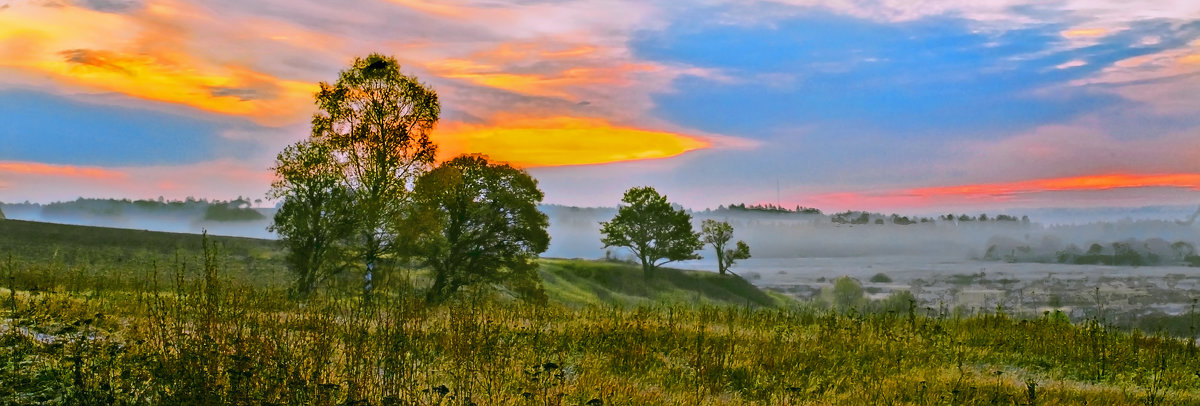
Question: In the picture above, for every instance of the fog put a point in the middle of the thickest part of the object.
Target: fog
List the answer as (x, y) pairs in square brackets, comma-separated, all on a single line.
[(575, 233), (191, 216), (963, 263)]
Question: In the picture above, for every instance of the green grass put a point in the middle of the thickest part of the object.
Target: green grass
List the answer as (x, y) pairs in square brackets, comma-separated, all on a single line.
[(174, 323), (579, 282)]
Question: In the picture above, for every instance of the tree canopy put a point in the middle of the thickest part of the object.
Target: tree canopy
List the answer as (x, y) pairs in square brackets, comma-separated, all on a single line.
[(376, 122), (656, 232), (717, 234), (478, 223), (314, 218)]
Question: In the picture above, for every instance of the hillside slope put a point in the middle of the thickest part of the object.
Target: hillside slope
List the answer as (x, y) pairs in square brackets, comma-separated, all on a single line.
[(572, 282)]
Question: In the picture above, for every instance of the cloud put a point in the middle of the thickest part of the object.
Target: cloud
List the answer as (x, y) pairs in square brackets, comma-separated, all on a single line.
[(558, 141), (144, 54), (1071, 64), (9, 168), (98, 131), (1085, 33), (883, 91), (112, 6)]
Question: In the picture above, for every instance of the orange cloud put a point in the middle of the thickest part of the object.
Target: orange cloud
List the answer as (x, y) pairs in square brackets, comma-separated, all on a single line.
[(495, 68), (1085, 33), (436, 8), (141, 56), (558, 141), (555, 84), (71, 171)]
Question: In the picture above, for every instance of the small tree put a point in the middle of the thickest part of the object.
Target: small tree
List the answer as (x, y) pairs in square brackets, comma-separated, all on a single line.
[(477, 222), (656, 232), (717, 234), (314, 217)]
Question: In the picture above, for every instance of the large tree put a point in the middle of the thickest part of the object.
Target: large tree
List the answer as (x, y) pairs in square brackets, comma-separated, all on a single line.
[(479, 223), (656, 232), (717, 234), (376, 121), (314, 218)]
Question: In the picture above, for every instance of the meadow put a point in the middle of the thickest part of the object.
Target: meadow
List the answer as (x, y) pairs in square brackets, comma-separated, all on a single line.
[(105, 316)]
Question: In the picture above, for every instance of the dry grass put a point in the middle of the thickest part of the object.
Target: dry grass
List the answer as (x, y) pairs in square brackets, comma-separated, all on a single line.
[(217, 333)]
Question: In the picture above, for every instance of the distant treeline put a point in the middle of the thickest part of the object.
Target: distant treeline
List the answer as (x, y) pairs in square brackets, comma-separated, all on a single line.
[(1130, 252), (768, 208), (863, 217), (215, 210)]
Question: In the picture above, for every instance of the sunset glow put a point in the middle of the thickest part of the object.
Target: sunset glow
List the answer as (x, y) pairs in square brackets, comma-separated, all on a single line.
[(76, 46), (1005, 192), (1090, 182), (838, 104), (558, 141)]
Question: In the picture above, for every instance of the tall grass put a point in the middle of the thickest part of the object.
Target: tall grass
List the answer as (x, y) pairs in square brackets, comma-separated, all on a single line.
[(201, 328)]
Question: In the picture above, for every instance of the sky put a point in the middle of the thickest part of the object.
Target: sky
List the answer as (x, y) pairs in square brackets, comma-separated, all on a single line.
[(883, 105)]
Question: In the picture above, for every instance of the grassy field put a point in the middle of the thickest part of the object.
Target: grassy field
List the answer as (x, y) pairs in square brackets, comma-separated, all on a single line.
[(102, 316)]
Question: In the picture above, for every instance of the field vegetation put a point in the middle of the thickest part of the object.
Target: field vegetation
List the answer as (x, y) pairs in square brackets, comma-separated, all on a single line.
[(104, 316)]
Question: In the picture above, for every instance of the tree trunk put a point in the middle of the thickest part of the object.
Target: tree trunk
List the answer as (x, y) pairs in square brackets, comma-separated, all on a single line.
[(720, 261), (436, 292), (647, 268), (371, 256)]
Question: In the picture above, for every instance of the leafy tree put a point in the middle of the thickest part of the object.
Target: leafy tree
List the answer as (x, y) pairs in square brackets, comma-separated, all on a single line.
[(656, 232), (479, 223), (314, 217), (377, 122), (717, 234)]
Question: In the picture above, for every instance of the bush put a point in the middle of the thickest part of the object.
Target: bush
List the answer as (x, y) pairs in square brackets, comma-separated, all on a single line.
[(846, 293), (881, 278)]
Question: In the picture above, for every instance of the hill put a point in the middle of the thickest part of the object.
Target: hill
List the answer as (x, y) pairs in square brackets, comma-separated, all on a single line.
[(573, 282), (578, 282)]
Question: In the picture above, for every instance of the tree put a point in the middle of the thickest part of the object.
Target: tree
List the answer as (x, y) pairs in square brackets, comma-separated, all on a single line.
[(377, 122), (717, 234), (656, 232), (314, 218), (479, 223)]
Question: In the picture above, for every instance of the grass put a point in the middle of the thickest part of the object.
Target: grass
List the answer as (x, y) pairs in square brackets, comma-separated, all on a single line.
[(180, 324), (579, 282)]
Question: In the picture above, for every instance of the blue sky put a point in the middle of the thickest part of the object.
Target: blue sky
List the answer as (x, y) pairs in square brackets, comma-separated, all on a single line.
[(877, 105)]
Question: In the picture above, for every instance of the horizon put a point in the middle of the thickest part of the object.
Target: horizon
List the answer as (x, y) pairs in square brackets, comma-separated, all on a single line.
[(1044, 216), (880, 106)]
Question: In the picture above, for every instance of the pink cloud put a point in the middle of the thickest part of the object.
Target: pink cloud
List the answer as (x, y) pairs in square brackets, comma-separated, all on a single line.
[(8, 169)]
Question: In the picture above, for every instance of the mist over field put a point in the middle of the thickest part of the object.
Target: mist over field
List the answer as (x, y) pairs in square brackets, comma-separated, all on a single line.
[(575, 231), (1136, 262), (232, 218)]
